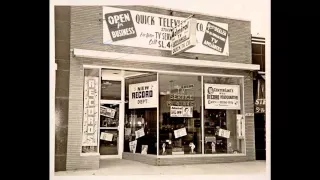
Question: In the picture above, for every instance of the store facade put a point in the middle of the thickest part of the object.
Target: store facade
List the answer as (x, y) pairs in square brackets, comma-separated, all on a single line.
[(132, 97)]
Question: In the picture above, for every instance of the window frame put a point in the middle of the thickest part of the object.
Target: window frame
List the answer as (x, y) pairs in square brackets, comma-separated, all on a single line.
[(242, 110)]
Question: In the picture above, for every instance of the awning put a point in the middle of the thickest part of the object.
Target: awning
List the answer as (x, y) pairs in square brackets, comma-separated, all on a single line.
[(162, 60)]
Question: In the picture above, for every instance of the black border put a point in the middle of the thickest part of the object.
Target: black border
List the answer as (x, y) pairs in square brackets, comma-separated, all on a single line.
[(25, 123)]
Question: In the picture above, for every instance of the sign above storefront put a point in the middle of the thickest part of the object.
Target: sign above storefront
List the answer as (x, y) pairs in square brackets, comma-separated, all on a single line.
[(148, 30), (184, 36), (222, 96)]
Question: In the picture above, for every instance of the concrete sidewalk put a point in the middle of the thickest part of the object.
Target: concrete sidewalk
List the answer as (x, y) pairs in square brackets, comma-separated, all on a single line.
[(120, 167)]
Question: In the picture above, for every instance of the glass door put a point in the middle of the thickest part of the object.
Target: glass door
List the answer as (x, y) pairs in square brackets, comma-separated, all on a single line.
[(109, 127), (111, 114)]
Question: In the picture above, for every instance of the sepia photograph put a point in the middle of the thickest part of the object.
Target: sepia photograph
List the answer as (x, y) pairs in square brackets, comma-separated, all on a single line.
[(161, 87)]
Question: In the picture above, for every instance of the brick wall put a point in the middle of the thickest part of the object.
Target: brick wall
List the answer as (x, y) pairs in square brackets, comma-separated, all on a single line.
[(62, 58), (85, 24)]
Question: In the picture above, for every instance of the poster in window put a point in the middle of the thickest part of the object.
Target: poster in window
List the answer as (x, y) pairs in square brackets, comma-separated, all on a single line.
[(240, 126), (222, 96), (180, 132), (127, 131), (181, 111), (107, 112), (139, 133), (224, 133), (106, 136), (90, 111), (143, 95), (133, 146), (144, 149)]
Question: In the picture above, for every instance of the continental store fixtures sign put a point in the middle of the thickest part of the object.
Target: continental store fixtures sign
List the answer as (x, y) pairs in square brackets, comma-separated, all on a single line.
[(143, 95), (90, 111), (222, 96), (149, 30)]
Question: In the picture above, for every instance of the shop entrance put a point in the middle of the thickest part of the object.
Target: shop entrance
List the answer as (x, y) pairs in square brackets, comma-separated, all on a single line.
[(113, 111), (111, 114)]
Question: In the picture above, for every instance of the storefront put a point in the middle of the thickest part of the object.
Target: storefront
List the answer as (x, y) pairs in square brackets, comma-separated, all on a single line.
[(132, 97)]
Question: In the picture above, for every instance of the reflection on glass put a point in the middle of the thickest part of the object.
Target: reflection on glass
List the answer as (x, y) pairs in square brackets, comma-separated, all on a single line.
[(180, 115), (110, 90)]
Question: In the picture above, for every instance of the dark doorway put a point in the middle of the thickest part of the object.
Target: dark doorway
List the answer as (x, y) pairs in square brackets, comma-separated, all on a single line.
[(260, 136)]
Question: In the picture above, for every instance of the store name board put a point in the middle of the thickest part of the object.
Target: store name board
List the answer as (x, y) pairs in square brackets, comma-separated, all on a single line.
[(222, 96), (90, 112), (154, 31), (260, 106), (143, 95), (184, 36)]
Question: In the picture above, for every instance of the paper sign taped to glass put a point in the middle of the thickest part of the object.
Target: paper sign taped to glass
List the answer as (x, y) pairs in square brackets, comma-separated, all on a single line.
[(181, 111), (139, 133), (224, 133), (127, 131), (106, 136), (180, 132), (240, 126), (144, 149), (210, 139), (133, 146), (107, 112)]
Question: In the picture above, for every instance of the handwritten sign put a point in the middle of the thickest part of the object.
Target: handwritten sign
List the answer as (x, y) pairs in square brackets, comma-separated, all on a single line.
[(90, 111), (143, 95), (180, 132), (222, 96), (106, 136), (153, 31)]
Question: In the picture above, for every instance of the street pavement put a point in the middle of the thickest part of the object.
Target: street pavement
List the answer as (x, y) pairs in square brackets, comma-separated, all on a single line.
[(121, 167)]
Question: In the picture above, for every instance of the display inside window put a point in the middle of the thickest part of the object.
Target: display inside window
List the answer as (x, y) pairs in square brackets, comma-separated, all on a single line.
[(140, 126), (223, 119), (179, 115)]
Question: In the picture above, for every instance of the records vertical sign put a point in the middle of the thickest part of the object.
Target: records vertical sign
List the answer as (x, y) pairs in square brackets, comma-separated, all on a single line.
[(90, 112)]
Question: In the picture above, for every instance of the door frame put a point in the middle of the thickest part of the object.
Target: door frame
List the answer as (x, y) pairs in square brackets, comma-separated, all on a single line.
[(119, 77)]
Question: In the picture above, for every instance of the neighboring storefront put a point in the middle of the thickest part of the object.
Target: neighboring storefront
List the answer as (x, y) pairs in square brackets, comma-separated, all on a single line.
[(131, 96), (259, 92)]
